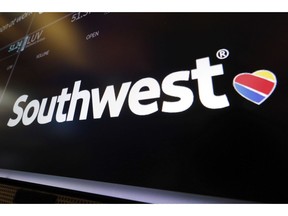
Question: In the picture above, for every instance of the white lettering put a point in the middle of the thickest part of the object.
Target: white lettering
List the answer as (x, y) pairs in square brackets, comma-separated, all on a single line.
[(142, 98), (115, 105), (64, 97), (35, 37), (33, 105), (83, 95), (184, 94), (18, 111), (137, 95), (48, 118), (203, 73)]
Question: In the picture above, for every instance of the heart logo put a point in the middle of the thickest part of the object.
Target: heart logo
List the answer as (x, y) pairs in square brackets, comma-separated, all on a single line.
[(255, 87)]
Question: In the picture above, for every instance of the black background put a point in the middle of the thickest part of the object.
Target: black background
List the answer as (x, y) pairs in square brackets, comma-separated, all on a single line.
[(238, 152)]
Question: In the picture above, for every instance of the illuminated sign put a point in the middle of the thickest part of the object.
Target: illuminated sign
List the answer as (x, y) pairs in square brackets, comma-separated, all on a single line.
[(184, 102), (203, 73), (256, 87)]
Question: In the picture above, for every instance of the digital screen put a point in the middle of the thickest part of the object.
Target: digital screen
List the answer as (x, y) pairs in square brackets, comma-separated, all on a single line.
[(187, 102)]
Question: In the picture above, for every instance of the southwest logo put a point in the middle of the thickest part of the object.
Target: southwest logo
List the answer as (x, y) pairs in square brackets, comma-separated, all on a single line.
[(255, 87)]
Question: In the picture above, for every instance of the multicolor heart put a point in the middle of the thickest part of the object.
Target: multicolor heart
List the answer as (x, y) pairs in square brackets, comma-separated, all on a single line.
[(255, 87)]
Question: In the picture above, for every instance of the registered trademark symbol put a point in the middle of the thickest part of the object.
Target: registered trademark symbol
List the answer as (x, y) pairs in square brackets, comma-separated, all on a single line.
[(222, 54)]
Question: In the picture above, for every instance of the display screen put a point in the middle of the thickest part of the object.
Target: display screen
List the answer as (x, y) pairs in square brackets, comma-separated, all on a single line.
[(187, 102)]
